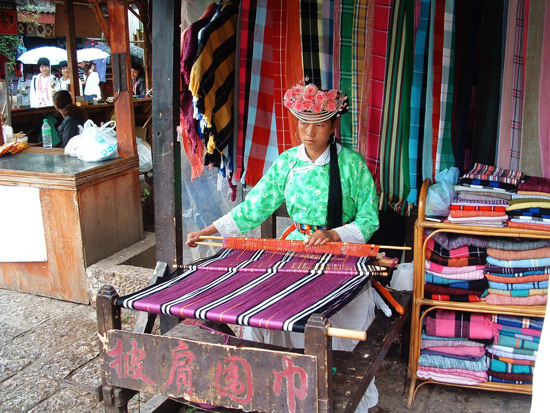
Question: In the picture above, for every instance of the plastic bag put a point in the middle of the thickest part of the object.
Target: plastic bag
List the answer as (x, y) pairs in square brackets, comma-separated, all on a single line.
[(441, 194), (72, 145), (145, 156), (98, 146)]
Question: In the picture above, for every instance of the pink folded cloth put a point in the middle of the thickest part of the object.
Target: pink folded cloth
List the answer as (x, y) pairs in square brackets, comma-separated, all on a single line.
[(460, 350), (496, 299), (433, 267), (455, 376)]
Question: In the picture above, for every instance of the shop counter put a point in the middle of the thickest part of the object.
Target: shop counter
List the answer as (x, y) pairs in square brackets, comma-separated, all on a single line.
[(59, 215)]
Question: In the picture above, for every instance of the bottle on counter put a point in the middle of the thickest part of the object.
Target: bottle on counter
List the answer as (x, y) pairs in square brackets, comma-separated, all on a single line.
[(46, 135)]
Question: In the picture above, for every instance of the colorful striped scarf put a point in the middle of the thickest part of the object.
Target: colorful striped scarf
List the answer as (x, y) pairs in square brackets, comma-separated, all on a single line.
[(394, 176), (534, 323), (447, 323)]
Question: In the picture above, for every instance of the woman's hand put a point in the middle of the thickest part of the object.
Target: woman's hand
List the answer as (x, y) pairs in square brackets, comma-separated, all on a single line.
[(322, 237), (194, 237)]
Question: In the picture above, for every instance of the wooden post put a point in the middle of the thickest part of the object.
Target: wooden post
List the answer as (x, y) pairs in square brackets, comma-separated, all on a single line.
[(108, 318), (71, 48), (166, 149), (124, 105), (319, 344)]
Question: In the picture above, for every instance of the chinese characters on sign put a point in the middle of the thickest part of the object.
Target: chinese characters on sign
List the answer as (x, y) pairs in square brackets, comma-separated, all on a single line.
[(233, 375)]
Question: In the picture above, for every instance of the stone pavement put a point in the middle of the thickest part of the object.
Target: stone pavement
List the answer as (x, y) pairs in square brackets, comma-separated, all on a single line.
[(49, 362)]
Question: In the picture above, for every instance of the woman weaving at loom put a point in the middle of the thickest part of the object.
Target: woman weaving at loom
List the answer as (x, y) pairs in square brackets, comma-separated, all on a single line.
[(329, 194)]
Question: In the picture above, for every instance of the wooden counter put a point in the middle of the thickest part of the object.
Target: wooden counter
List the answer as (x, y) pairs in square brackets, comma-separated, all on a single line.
[(90, 210)]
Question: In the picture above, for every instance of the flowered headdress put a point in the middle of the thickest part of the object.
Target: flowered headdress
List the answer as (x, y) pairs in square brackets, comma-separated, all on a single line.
[(311, 104)]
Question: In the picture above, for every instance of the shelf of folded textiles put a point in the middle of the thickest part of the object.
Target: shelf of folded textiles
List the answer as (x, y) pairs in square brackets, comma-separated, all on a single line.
[(483, 307), (485, 231)]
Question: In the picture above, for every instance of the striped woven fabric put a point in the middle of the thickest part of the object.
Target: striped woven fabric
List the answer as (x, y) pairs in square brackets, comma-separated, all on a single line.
[(382, 14), (518, 378), (346, 40), (444, 157), (418, 100), (213, 77), (534, 323), (438, 39), (465, 251), (275, 290), (517, 280), (456, 298), (311, 12), (358, 52), (394, 175), (491, 173), (246, 39)]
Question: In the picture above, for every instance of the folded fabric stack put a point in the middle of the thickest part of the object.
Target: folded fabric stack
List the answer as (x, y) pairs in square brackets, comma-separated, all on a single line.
[(511, 358), (454, 267), (483, 195), (530, 207), (453, 345), (518, 271)]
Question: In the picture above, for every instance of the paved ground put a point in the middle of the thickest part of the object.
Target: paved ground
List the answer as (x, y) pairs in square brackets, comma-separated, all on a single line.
[(49, 363)]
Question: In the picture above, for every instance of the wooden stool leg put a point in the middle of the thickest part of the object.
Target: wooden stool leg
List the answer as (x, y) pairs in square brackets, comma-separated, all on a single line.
[(412, 387)]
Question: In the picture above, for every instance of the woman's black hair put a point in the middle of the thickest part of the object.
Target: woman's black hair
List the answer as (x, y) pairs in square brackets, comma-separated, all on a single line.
[(62, 99), (63, 64), (43, 61), (334, 205)]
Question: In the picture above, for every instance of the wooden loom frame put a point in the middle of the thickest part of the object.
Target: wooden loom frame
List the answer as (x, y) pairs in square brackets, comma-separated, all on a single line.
[(332, 380)]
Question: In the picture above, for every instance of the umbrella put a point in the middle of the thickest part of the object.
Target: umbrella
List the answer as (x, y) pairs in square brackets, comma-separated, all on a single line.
[(89, 54), (54, 54)]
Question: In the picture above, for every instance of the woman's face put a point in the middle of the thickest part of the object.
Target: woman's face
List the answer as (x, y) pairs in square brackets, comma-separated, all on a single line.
[(315, 136), (45, 70), (65, 72), (135, 73)]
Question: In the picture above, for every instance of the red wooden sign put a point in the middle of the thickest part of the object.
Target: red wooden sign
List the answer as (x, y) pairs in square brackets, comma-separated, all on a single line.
[(8, 17)]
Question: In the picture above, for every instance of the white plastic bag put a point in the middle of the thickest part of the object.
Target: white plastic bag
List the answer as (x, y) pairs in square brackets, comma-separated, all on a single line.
[(72, 146), (145, 156), (98, 146), (441, 194)]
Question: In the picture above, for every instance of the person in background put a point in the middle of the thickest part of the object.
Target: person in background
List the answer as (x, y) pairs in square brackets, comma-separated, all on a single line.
[(91, 82), (73, 116), (64, 81), (138, 79), (43, 85)]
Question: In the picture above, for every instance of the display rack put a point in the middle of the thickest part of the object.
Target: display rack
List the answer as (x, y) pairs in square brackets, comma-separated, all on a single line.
[(422, 305)]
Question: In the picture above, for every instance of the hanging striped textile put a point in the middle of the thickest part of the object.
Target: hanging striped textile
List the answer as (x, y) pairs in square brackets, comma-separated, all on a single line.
[(363, 130), (530, 159), (544, 96), (293, 65), (394, 175), (346, 42), (357, 58), (275, 290), (213, 77), (382, 13), (311, 30), (247, 22), (327, 44), (427, 163), (444, 153), (439, 34), (487, 88), (511, 107), (418, 100), (260, 148)]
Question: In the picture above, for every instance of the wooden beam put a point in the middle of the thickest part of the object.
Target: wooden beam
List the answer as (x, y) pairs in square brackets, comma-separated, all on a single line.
[(71, 48), (94, 4), (166, 149), (124, 104)]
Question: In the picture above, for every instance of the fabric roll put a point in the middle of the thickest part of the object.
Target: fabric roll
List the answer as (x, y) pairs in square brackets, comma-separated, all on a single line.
[(535, 183), (518, 255), (435, 279), (442, 269), (517, 377), (455, 298), (501, 367), (460, 252), (453, 363), (517, 280), (464, 357), (459, 350), (452, 241), (440, 289), (533, 262)]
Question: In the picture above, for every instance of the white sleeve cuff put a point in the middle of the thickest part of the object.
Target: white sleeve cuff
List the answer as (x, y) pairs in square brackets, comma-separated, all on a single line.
[(350, 233), (227, 227)]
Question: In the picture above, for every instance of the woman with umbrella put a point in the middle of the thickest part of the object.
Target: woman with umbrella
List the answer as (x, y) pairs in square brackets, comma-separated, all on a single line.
[(43, 85)]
